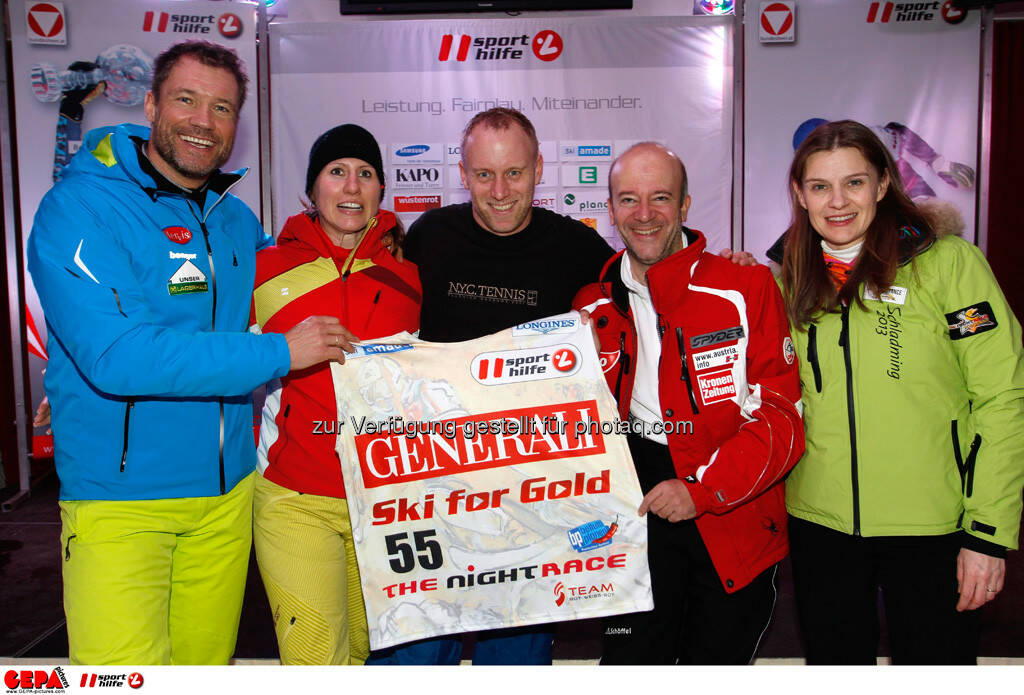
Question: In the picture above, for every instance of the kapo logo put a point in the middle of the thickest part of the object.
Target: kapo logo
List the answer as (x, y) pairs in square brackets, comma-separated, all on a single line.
[(417, 175), (412, 150), (546, 45)]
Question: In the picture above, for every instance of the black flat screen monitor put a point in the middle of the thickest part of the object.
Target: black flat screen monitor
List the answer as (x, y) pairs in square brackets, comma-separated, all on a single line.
[(455, 6)]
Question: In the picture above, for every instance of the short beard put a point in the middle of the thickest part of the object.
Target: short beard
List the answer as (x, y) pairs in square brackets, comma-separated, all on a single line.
[(162, 143)]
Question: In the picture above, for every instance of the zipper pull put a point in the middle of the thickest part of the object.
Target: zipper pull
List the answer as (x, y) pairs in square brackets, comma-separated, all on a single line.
[(622, 352), (684, 374), (373, 308), (844, 334), (234, 259), (812, 354)]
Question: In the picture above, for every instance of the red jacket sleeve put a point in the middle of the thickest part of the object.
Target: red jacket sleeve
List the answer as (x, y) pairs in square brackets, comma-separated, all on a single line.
[(771, 439)]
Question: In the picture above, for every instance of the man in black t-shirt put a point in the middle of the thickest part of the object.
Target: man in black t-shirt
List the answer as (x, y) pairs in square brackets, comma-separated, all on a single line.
[(485, 266), (499, 261)]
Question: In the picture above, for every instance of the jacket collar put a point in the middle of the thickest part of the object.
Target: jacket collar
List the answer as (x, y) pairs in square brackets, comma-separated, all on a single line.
[(303, 230), (670, 272), (115, 152)]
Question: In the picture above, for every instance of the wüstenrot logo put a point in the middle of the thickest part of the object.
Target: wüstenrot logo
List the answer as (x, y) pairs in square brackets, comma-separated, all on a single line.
[(416, 203), (547, 45)]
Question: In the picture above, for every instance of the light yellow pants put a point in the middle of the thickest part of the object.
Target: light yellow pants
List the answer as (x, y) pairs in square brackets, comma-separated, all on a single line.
[(308, 563), (155, 581)]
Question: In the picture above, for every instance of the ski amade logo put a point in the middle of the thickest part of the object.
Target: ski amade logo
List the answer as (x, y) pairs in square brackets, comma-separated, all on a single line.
[(545, 45), (367, 349), (531, 364)]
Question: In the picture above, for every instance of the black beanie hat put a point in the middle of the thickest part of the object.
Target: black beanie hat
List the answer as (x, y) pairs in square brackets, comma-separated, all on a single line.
[(347, 140)]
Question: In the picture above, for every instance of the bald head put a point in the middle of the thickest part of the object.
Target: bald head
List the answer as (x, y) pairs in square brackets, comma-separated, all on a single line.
[(648, 204), (654, 149)]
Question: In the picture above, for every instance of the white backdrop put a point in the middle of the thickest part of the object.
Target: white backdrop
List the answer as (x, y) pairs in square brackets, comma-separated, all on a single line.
[(603, 86), (920, 72), (91, 27)]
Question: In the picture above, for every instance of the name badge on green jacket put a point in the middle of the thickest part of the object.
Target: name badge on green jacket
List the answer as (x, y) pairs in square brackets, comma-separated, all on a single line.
[(894, 295)]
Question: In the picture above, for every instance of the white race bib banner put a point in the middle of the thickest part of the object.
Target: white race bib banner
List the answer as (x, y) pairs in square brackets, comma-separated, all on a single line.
[(486, 483)]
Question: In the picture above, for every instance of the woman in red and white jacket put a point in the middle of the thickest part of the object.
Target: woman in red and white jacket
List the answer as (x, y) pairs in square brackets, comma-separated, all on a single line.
[(338, 258)]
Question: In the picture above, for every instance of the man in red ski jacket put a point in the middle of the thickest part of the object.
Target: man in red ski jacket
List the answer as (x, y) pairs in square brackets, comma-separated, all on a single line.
[(697, 352)]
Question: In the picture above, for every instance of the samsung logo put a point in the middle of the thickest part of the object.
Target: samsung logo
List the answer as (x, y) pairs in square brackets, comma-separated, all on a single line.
[(594, 151), (412, 150)]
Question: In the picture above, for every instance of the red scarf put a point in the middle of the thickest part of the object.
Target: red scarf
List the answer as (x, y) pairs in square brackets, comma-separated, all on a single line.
[(838, 270)]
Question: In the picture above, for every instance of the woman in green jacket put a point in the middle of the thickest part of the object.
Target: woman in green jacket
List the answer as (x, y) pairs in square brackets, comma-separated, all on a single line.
[(913, 389)]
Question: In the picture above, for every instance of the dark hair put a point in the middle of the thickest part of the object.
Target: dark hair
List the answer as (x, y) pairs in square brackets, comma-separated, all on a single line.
[(684, 184), (807, 286), (209, 54), (500, 119)]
